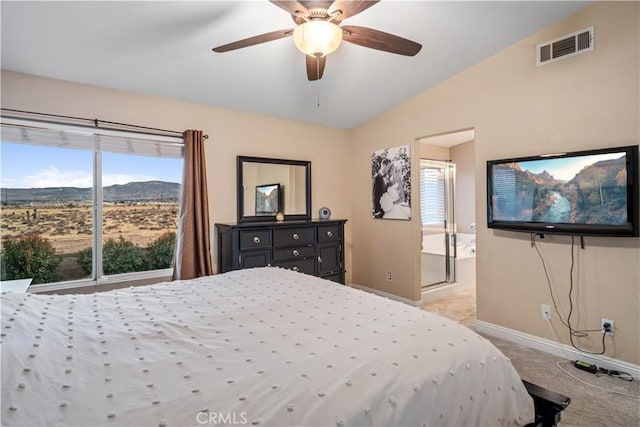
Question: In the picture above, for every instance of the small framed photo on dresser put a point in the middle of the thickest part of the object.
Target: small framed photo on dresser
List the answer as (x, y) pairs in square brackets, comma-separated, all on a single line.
[(268, 199)]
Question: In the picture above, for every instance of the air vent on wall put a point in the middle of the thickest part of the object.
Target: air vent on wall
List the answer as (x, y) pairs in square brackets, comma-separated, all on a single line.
[(564, 47)]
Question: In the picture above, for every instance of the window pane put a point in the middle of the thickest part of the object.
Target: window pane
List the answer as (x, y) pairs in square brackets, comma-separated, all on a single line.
[(47, 221), (432, 195), (141, 200)]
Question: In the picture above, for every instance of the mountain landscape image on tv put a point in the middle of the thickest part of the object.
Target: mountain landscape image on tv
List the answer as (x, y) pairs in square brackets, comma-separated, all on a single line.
[(571, 190)]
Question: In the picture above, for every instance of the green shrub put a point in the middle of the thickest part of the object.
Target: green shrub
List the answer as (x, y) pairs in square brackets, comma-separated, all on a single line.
[(118, 256), (122, 256), (85, 259), (160, 252), (29, 256)]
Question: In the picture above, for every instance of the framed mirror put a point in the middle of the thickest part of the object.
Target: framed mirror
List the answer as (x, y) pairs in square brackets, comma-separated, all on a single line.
[(267, 186)]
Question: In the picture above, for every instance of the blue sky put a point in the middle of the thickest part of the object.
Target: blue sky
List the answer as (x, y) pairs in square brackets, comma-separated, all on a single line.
[(566, 168), (30, 166)]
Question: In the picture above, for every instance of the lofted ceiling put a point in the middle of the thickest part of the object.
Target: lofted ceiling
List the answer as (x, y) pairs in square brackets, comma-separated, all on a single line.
[(163, 49)]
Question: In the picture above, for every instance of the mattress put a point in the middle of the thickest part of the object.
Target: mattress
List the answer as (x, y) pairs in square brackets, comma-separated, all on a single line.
[(264, 346)]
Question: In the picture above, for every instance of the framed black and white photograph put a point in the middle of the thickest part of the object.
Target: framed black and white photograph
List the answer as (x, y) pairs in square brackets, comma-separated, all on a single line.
[(391, 183), (267, 199)]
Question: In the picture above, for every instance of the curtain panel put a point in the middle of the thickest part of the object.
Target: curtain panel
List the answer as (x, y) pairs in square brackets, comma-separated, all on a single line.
[(193, 246)]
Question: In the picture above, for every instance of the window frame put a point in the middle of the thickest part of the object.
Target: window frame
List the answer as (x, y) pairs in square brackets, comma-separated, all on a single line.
[(98, 278)]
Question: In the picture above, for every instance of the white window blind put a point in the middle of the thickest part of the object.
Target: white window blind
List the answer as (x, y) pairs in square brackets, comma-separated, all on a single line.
[(432, 195), (93, 139)]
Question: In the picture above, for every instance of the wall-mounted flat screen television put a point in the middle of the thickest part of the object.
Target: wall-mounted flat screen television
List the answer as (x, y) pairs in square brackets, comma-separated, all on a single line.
[(588, 193)]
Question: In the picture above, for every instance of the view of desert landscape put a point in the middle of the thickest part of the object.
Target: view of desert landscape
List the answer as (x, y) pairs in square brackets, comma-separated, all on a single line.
[(47, 232), (69, 226), (55, 238)]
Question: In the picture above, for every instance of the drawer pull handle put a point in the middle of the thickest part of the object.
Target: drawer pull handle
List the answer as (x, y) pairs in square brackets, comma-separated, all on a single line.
[(295, 236), (256, 240), (295, 269), (319, 259), (329, 233), (295, 252)]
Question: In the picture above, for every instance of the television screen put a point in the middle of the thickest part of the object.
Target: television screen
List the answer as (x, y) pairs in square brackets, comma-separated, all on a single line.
[(586, 193)]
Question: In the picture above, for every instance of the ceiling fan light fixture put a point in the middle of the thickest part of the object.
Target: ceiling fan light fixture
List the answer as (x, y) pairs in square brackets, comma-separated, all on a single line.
[(317, 38)]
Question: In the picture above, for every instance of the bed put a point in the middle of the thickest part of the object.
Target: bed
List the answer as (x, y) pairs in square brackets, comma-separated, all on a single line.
[(264, 346)]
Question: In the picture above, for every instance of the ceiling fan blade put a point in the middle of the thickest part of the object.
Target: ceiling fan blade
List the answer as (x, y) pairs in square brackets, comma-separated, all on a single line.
[(315, 67), (375, 39), (293, 7), (262, 38), (350, 7)]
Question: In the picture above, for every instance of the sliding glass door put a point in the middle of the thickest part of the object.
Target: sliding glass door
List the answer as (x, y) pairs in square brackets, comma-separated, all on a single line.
[(438, 251)]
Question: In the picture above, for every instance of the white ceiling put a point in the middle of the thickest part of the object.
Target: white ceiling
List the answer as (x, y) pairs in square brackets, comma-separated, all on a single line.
[(163, 49)]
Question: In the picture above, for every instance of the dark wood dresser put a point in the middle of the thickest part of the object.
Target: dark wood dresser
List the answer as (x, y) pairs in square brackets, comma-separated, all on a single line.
[(313, 247)]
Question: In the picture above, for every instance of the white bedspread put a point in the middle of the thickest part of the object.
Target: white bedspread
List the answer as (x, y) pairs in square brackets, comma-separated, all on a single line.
[(264, 346)]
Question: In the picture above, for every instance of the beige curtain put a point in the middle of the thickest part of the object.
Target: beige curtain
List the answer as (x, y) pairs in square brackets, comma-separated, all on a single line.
[(193, 246)]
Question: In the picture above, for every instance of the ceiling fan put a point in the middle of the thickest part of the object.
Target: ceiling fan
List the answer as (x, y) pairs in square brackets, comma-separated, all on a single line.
[(318, 32)]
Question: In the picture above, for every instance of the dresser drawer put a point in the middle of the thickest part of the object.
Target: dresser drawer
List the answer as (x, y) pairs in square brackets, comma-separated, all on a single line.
[(294, 236), (314, 247), (307, 266), (295, 252), (328, 233), (255, 239), (252, 259)]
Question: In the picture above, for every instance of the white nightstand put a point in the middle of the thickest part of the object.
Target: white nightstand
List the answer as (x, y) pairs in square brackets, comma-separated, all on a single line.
[(18, 286)]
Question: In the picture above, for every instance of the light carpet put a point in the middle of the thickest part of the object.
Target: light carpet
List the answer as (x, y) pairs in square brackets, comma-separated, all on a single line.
[(590, 405)]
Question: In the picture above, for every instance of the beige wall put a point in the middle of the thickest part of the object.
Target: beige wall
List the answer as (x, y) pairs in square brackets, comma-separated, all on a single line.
[(516, 108), (433, 152), (231, 133), (463, 156)]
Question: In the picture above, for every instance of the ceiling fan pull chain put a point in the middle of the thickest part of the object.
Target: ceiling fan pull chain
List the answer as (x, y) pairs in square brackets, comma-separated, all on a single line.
[(318, 79)]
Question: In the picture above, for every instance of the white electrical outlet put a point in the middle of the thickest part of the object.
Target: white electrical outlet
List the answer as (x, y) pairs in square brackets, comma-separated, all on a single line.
[(545, 311), (388, 275), (610, 329)]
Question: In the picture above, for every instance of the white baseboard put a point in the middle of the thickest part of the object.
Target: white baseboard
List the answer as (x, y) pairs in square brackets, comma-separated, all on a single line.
[(387, 295), (555, 348)]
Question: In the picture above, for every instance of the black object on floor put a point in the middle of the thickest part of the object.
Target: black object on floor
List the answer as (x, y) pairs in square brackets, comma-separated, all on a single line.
[(548, 405)]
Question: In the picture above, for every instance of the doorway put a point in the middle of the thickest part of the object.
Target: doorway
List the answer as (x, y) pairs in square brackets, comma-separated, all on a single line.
[(447, 193)]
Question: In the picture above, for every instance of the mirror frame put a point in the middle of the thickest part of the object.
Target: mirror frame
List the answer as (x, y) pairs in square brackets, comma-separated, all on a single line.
[(241, 160)]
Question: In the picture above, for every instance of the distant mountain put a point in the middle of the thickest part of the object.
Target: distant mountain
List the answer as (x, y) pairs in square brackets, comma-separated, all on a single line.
[(542, 178), (599, 192), (41, 195), (511, 165), (612, 172), (520, 191), (149, 190), (132, 191)]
